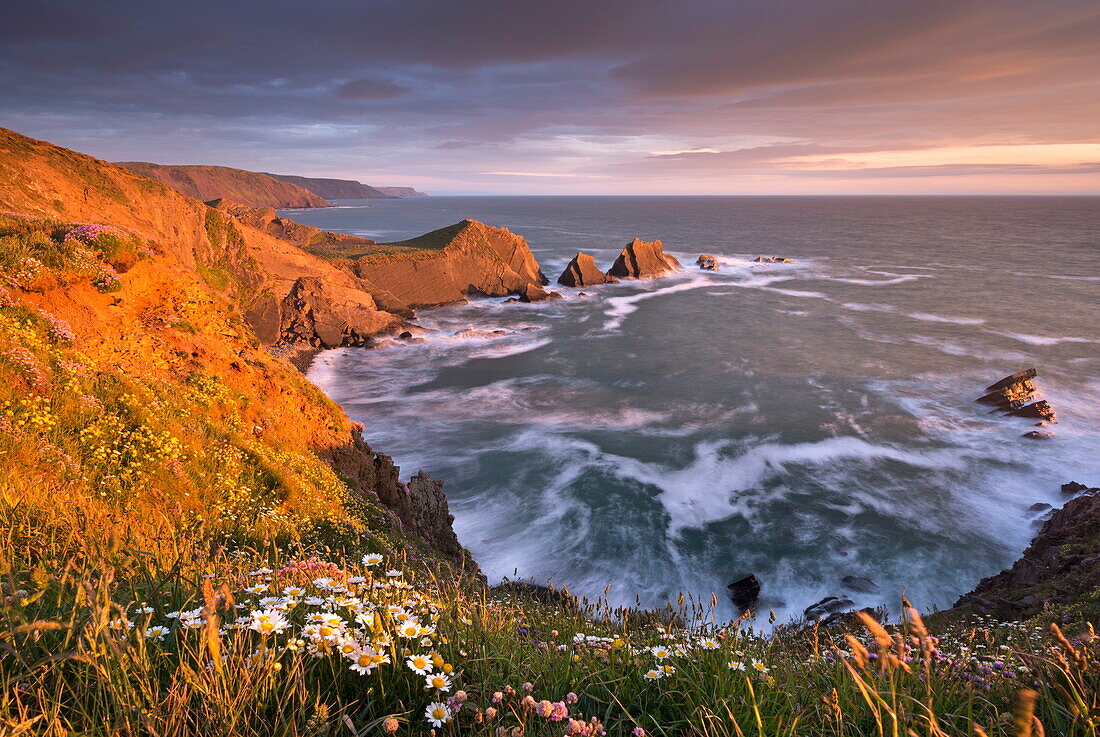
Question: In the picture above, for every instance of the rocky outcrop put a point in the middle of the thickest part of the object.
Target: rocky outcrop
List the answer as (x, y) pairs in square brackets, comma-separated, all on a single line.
[(304, 236), (206, 183), (535, 293), (707, 263), (334, 189), (859, 584), (583, 272), (744, 592), (1012, 394), (448, 265), (1061, 565), (773, 260), (325, 315), (643, 260), (825, 607)]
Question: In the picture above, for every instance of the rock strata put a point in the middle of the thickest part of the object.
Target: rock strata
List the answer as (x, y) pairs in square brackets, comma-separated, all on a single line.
[(643, 260), (1012, 395), (583, 272)]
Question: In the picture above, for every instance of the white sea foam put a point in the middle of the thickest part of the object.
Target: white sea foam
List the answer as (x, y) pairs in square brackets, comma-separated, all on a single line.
[(620, 307), (1043, 339)]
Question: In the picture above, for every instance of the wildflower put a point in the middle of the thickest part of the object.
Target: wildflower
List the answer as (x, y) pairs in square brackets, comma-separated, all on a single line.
[(668, 670), (558, 711), (638, 732), (571, 698), (393, 573), (437, 714), (490, 712), (528, 687), (497, 697), (437, 681), (364, 661), (734, 665), (390, 725), (660, 653), (708, 644), (156, 632), (323, 583), (410, 630), (144, 609), (759, 666), (294, 592), (372, 559), (653, 674), (268, 621), (256, 589), (419, 664)]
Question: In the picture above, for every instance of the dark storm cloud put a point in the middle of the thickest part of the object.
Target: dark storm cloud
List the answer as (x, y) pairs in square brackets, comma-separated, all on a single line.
[(510, 85)]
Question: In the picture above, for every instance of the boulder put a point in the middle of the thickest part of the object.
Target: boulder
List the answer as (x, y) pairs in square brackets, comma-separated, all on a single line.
[(825, 607), (643, 260), (773, 260), (1040, 410), (1011, 392), (583, 272), (1038, 435), (1016, 378), (1073, 488), (707, 263), (744, 592), (535, 293), (1039, 507), (860, 584)]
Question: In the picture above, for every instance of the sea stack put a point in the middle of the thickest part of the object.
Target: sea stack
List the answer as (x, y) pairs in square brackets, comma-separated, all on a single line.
[(583, 272), (643, 260)]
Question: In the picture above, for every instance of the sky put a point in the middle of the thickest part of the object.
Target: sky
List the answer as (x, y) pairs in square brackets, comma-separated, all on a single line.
[(575, 96)]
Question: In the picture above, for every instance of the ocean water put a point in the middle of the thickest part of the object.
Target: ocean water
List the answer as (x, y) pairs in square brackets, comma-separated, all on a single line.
[(802, 422)]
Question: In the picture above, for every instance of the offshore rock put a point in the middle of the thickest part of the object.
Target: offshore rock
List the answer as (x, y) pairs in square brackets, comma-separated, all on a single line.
[(326, 315), (860, 584), (535, 293), (773, 260), (1039, 410), (744, 592), (1011, 392), (707, 263), (643, 260), (825, 607), (1038, 435), (583, 272)]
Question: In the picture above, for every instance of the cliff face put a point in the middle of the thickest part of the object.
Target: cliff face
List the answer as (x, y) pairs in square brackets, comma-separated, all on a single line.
[(401, 192), (129, 333), (335, 189), (265, 219), (213, 182), (450, 264), (253, 268), (1061, 566)]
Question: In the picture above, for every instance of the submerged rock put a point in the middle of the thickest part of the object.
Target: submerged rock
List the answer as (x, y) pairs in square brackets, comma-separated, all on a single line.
[(1039, 410), (1038, 435), (643, 260), (707, 263), (773, 260), (583, 272), (1073, 488), (1011, 396), (860, 584), (744, 592), (828, 605)]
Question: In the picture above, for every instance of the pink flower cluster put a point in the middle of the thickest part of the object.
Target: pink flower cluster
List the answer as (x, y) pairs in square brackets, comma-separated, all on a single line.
[(313, 568), (108, 280), (28, 364), (60, 332), (591, 728), (91, 231)]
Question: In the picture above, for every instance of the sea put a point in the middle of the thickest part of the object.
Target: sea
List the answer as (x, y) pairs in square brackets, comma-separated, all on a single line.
[(802, 422)]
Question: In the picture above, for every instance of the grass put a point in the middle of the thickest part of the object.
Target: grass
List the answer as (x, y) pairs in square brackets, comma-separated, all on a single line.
[(177, 559)]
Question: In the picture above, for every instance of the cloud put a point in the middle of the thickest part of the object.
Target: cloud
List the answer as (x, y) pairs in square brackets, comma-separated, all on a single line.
[(586, 90)]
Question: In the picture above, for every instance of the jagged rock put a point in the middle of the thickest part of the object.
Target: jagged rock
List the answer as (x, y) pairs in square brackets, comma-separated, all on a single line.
[(404, 335), (1038, 435), (773, 260), (643, 260), (535, 293), (326, 315), (1016, 378), (583, 272), (828, 605), (744, 592), (707, 263), (476, 333), (1073, 488), (1040, 410), (1039, 507), (860, 584), (1061, 565), (1011, 392)]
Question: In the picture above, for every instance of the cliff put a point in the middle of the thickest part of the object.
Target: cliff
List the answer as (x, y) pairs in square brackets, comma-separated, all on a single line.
[(1060, 568), (335, 189), (131, 374), (266, 220), (213, 182), (401, 191)]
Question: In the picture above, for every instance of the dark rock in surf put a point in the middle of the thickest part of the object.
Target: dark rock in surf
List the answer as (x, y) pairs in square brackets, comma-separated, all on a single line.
[(1039, 507), (707, 263), (744, 592), (583, 272), (773, 260), (1073, 488), (825, 607), (643, 260), (1040, 410), (1038, 435), (860, 584)]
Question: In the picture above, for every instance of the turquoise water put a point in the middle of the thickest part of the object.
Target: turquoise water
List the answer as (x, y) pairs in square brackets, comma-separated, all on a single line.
[(803, 422)]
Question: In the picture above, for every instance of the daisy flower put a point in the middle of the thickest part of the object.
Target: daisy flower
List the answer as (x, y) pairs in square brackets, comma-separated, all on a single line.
[(437, 681), (256, 589), (660, 652), (410, 630), (708, 644), (653, 674), (734, 665), (156, 632), (437, 714), (419, 664), (372, 559), (364, 661), (268, 621), (759, 666), (295, 592)]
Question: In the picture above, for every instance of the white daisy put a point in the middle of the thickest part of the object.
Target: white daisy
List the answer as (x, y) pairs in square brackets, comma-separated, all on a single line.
[(437, 714)]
